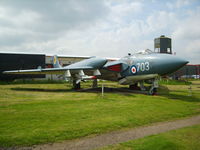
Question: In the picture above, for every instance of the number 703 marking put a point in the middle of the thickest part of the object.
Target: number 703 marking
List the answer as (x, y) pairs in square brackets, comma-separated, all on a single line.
[(143, 66)]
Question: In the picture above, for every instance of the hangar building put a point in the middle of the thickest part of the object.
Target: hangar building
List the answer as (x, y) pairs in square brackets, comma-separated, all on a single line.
[(188, 71), (16, 61)]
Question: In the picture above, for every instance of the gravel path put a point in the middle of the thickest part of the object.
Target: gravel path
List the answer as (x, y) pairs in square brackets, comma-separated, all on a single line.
[(115, 137)]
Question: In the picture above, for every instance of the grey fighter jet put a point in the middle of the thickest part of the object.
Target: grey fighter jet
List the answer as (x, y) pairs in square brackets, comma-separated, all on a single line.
[(141, 67)]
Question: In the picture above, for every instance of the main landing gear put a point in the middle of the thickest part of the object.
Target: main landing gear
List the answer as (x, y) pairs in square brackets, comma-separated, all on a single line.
[(153, 88), (134, 87), (142, 89), (77, 84)]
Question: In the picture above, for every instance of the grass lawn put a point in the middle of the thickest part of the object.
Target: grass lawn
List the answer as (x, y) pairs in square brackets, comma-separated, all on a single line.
[(181, 139), (40, 113)]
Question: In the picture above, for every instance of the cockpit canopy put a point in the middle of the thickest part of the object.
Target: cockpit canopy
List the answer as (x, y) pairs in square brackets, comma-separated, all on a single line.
[(147, 51), (130, 57)]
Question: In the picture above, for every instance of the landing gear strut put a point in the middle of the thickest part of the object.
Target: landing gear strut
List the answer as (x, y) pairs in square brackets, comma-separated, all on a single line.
[(142, 87), (154, 86), (76, 86), (94, 83)]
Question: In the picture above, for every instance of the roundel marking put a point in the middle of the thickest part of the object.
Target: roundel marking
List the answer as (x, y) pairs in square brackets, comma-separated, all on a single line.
[(133, 69)]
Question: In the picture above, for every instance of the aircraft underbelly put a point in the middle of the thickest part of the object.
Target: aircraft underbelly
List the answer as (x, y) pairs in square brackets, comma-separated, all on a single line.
[(133, 79), (108, 75)]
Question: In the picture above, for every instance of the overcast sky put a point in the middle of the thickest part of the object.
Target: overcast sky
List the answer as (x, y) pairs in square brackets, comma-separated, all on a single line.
[(109, 28)]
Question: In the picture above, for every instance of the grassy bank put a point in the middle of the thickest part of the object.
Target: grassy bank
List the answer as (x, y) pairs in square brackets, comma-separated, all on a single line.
[(40, 113), (174, 82), (181, 139)]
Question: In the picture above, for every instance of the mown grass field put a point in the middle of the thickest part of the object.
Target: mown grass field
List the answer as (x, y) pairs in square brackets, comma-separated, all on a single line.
[(182, 139), (41, 113)]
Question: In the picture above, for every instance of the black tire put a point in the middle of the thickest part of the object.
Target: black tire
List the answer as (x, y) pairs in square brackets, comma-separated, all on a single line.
[(153, 91)]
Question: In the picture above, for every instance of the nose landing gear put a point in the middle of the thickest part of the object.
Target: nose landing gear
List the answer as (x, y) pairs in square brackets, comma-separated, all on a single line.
[(153, 88)]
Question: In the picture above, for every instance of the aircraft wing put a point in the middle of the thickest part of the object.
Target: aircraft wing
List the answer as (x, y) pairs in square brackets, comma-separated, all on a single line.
[(88, 64), (46, 71)]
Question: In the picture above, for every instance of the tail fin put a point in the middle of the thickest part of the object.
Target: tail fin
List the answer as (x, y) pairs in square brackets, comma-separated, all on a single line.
[(55, 61)]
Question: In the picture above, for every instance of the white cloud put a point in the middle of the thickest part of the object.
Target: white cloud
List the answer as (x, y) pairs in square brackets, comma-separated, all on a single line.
[(126, 9), (103, 28), (187, 37), (181, 3), (178, 4)]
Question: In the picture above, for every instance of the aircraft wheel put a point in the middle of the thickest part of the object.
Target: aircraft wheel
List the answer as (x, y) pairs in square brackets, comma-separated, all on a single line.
[(152, 91), (134, 86), (76, 86)]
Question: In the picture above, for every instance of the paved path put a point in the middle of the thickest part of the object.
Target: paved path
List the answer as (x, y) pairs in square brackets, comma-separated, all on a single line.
[(117, 136)]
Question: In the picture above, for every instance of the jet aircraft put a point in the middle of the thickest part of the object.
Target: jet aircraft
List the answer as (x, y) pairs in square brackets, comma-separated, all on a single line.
[(140, 67)]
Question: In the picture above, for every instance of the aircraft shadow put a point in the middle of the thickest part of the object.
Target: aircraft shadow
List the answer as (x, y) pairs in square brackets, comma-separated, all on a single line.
[(124, 91), (42, 90), (163, 92)]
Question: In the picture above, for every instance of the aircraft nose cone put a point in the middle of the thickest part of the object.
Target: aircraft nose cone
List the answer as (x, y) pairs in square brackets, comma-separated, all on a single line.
[(169, 63), (177, 63), (186, 62), (181, 62)]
